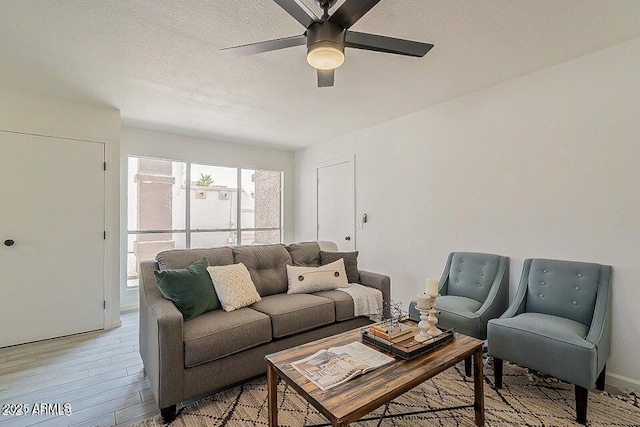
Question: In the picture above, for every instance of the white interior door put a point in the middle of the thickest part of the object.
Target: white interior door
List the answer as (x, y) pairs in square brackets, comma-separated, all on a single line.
[(52, 276), (336, 204)]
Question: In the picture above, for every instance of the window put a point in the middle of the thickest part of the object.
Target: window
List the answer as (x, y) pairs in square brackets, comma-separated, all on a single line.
[(176, 205), (261, 207)]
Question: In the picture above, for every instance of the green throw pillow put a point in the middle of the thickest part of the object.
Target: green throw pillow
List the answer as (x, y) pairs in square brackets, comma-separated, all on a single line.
[(350, 263), (190, 289)]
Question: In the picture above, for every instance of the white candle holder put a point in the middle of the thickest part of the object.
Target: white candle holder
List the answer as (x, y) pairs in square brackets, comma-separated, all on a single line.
[(428, 320)]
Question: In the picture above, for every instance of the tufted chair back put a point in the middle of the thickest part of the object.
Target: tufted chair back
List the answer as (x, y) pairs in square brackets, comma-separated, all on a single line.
[(562, 288), (472, 274)]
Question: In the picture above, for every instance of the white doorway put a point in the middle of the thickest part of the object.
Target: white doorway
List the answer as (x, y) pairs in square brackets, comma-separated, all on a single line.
[(52, 247), (336, 202)]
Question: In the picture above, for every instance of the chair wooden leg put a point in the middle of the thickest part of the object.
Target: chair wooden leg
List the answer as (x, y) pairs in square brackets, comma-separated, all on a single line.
[(601, 378), (467, 366), (582, 395), (168, 414), (497, 372)]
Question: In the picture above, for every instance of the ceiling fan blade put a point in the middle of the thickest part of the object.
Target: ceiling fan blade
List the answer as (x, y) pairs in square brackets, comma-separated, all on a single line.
[(351, 11), (386, 44), (299, 11), (266, 46), (326, 78)]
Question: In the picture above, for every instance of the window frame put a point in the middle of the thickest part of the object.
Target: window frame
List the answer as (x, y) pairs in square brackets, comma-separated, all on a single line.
[(188, 230)]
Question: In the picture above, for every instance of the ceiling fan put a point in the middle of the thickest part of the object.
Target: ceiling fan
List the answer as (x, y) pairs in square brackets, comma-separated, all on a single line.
[(327, 37)]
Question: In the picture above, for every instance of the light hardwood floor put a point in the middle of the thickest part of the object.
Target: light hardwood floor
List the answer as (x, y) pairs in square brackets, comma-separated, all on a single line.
[(98, 373)]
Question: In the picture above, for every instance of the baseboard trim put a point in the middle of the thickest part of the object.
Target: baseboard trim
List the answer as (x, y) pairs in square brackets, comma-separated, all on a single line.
[(130, 307), (620, 382)]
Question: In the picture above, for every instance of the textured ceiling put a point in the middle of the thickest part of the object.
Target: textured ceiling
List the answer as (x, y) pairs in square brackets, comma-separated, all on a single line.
[(158, 61)]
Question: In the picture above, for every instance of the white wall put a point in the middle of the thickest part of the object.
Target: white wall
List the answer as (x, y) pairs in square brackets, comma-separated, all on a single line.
[(164, 145), (546, 165), (28, 113)]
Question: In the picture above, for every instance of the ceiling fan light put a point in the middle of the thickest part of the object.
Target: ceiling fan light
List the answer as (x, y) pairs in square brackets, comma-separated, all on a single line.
[(325, 55)]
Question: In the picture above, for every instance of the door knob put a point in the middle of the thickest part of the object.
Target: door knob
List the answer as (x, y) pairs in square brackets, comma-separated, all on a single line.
[(347, 238), (9, 242)]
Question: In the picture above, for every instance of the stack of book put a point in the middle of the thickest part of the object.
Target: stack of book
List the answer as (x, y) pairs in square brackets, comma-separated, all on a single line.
[(393, 333)]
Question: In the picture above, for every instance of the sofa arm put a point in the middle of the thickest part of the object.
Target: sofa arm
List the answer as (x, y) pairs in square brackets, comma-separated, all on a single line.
[(379, 282), (443, 284), (497, 301), (600, 330), (519, 303), (161, 345)]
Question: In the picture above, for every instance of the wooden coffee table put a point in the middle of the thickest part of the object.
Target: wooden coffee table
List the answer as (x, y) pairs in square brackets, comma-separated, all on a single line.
[(351, 401)]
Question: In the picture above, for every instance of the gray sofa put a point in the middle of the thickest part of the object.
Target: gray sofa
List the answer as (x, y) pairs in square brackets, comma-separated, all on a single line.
[(218, 349)]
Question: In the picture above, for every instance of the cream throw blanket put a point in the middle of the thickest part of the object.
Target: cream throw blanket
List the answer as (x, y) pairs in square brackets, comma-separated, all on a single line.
[(366, 300)]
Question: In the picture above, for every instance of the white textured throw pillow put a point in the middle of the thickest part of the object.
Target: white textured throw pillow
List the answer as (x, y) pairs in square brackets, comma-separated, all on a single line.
[(305, 280), (234, 286)]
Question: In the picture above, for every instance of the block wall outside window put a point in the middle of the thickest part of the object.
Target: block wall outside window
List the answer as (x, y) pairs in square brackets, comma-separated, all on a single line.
[(175, 205)]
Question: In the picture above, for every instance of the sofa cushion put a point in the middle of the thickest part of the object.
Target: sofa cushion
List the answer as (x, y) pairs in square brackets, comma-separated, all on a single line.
[(181, 258), (460, 312), (291, 314), (217, 334), (464, 307), (267, 266), (306, 254), (190, 289), (350, 263), (343, 303), (550, 344), (306, 280)]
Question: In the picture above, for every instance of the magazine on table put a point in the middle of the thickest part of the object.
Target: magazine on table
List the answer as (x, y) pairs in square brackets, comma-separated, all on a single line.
[(337, 365)]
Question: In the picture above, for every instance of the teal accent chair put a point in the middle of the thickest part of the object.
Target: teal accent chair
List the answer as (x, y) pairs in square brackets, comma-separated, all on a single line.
[(559, 324), (474, 288)]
